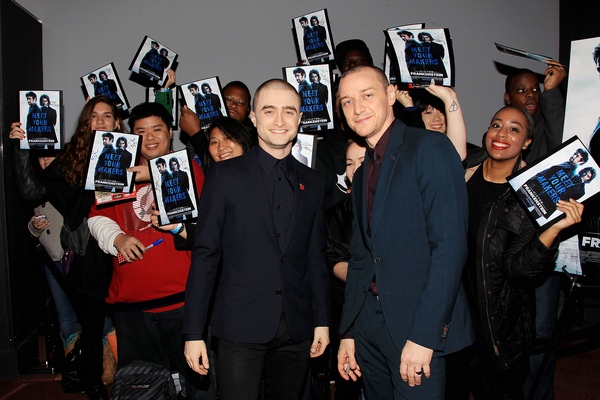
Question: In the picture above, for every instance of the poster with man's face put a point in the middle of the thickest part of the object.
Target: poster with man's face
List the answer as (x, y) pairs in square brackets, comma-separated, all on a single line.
[(41, 116)]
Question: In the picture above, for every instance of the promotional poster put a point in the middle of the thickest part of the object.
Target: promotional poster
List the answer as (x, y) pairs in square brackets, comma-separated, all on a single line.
[(205, 98), (569, 172), (582, 118), (152, 60), (312, 36), (390, 64), (111, 154), (305, 149), (314, 86), (174, 189), (41, 117), (105, 81), (421, 55)]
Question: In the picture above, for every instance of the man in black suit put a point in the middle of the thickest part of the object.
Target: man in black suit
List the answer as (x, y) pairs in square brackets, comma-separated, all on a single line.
[(261, 219)]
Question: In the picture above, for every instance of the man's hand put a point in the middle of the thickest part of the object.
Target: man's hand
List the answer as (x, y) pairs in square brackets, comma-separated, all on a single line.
[(347, 365), (414, 363), (195, 351), (188, 121), (142, 173), (320, 341)]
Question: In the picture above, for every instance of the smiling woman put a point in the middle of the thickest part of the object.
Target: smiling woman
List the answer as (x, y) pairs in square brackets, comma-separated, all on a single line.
[(507, 251), (227, 138)]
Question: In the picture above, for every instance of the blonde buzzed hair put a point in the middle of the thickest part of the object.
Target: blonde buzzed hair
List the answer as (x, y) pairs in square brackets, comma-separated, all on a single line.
[(378, 72)]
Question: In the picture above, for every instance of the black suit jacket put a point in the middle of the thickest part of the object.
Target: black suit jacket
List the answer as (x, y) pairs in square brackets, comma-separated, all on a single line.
[(235, 226)]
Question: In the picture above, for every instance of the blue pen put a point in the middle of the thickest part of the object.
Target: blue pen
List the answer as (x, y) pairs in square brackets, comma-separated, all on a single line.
[(159, 241)]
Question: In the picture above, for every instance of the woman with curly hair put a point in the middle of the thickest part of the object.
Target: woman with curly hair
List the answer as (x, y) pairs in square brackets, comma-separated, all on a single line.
[(61, 184)]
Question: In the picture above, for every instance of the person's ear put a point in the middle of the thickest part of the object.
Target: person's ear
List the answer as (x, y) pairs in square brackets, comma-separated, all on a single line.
[(506, 99), (526, 144)]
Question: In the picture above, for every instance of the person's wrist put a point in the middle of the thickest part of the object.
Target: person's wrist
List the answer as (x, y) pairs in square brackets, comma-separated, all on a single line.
[(178, 229)]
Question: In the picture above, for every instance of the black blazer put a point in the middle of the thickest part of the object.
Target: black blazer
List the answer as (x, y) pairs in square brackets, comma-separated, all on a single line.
[(235, 223)]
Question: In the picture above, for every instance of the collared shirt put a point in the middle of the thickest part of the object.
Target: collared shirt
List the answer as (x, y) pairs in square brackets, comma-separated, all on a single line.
[(278, 176), (374, 169)]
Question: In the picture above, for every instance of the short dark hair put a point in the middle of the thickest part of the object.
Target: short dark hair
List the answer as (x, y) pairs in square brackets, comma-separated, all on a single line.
[(303, 19), (92, 75), (242, 86), (424, 99), (108, 135), (193, 86), (584, 154), (161, 161), (596, 53), (591, 170), (154, 43), (515, 74), (146, 110), (404, 32), (31, 94), (421, 34), (299, 71), (234, 130), (348, 45)]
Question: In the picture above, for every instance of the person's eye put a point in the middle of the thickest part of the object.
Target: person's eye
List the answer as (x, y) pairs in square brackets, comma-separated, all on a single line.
[(495, 125)]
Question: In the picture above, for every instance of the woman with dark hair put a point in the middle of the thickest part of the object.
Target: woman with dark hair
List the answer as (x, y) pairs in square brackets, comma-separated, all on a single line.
[(227, 138), (507, 252), (61, 183), (440, 111)]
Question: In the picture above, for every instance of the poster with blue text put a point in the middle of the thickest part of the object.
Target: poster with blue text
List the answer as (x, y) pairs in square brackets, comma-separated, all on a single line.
[(41, 117)]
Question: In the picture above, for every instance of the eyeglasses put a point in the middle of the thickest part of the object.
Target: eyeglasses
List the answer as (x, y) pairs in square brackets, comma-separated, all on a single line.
[(239, 102)]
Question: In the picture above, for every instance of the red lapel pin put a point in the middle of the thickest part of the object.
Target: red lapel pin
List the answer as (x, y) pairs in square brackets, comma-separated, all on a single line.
[(301, 186)]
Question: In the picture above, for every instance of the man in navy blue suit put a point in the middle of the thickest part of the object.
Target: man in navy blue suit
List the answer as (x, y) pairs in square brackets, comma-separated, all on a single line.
[(405, 307), (262, 222)]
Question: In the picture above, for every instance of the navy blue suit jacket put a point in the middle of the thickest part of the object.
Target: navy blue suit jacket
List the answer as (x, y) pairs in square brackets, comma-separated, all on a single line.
[(418, 244), (235, 222)]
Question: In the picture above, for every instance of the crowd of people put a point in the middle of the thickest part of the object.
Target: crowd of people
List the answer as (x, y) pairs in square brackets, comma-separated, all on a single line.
[(413, 276)]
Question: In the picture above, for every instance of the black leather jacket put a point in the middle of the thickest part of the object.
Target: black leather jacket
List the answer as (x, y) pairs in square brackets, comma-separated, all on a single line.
[(509, 258)]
